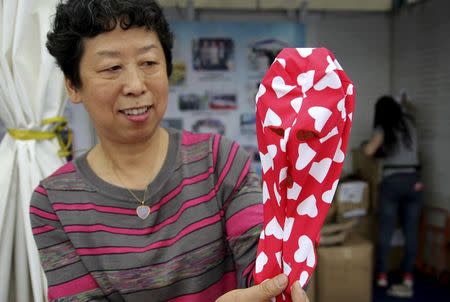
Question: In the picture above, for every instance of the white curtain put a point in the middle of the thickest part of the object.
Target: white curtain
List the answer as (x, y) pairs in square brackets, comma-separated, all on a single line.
[(31, 89)]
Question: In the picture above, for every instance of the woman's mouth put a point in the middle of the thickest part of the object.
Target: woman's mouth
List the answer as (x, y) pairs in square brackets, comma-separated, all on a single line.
[(136, 111)]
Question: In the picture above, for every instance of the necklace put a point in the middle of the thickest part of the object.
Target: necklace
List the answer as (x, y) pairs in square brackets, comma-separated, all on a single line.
[(143, 210)]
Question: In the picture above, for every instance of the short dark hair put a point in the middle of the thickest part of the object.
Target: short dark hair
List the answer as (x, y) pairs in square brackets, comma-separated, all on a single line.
[(79, 19)]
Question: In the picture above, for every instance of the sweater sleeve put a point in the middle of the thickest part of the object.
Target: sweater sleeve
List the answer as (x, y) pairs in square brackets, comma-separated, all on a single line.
[(239, 192), (68, 279)]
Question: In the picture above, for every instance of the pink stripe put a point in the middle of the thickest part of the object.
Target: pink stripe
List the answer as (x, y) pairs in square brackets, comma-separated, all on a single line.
[(43, 229), (43, 214), (41, 190), (244, 220), (239, 182), (216, 148), (73, 287), (154, 208), (67, 168), (146, 231), (227, 283), (177, 190), (191, 139), (91, 206), (163, 243), (227, 165)]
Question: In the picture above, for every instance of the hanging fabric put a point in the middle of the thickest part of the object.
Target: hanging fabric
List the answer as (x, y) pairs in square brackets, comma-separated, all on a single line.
[(31, 91)]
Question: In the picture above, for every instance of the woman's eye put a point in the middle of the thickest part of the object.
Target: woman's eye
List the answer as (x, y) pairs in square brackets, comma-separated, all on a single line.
[(149, 63), (113, 68)]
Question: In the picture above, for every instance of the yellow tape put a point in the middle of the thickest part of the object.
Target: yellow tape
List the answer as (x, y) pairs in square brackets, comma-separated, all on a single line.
[(56, 131)]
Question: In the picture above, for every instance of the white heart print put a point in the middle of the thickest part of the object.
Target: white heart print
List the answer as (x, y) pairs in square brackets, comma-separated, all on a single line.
[(262, 235), (280, 87), (332, 133), (329, 80), (278, 257), (339, 67), (341, 108), (273, 228), (331, 66), (308, 207), (267, 159), (281, 61), (284, 140), (350, 89), (305, 251), (294, 191), (286, 268), (297, 104), (320, 116), (283, 174), (339, 156), (277, 195), (265, 192), (306, 80), (262, 89), (305, 156), (319, 170), (261, 261), (303, 278), (272, 119), (327, 196), (288, 224), (305, 52)]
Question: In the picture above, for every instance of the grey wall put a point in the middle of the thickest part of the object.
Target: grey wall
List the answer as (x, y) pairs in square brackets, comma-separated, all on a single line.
[(421, 65), (361, 43)]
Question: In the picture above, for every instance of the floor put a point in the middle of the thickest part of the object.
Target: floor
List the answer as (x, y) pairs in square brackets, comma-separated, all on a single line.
[(425, 289)]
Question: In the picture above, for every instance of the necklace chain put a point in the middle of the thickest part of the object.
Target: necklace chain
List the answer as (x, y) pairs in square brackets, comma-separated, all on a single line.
[(142, 202)]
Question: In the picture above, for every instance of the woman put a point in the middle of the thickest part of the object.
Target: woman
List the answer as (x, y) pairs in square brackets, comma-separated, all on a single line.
[(394, 139), (148, 213)]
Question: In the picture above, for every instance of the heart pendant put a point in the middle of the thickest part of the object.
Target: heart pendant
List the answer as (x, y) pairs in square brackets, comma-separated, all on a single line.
[(143, 211)]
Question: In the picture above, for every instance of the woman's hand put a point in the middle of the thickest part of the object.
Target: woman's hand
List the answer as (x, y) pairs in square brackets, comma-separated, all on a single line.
[(265, 291)]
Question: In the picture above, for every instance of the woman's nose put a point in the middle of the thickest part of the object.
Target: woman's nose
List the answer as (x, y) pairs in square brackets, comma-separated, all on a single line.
[(134, 83)]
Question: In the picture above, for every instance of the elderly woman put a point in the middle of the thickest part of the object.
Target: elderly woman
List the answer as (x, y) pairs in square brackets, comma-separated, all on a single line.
[(148, 214)]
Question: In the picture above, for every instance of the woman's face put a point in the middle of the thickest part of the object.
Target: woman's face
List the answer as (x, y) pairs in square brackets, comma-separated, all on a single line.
[(124, 84)]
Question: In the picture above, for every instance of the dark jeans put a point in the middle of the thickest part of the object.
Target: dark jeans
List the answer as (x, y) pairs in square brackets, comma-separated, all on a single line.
[(398, 198)]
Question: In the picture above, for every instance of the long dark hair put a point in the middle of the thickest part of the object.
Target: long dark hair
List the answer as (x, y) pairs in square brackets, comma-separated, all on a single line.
[(391, 118)]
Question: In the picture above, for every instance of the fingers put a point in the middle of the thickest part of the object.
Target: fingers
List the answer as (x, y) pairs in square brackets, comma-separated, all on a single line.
[(266, 290), (298, 294)]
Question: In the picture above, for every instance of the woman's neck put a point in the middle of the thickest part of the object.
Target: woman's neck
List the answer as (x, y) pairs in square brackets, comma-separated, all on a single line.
[(132, 166)]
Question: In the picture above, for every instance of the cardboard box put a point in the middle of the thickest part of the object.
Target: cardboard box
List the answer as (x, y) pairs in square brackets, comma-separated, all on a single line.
[(364, 226), (344, 273), (368, 169), (352, 199)]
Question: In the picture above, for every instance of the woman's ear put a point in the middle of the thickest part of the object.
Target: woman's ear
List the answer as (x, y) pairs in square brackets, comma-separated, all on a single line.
[(72, 91)]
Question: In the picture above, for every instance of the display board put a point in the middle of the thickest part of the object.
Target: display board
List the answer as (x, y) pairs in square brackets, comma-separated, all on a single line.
[(217, 70)]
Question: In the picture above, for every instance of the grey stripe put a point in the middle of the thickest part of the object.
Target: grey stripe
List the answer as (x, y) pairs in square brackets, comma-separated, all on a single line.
[(66, 273), (184, 287), (187, 243), (187, 218)]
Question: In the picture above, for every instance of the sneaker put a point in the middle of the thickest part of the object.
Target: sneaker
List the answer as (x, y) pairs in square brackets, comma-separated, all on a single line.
[(408, 279), (382, 280), (400, 291)]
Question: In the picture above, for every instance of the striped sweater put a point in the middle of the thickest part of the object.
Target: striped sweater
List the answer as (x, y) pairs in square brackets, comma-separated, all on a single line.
[(198, 242)]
